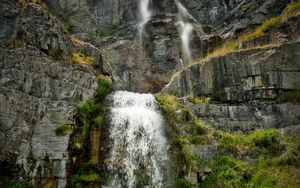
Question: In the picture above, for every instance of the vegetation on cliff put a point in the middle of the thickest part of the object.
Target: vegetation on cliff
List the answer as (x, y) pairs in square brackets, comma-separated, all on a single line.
[(262, 158), (90, 117)]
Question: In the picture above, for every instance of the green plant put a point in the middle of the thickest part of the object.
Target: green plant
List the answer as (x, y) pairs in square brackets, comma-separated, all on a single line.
[(199, 127), (292, 96), (99, 121), (182, 183), (194, 140), (62, 129), (201, 100), (86, 173), (291, 9), (265, 139), (30, 158), (105, 87), (93, 177), (169, 103), (107, 31), (35, 1), (80, 58), (88, 108)]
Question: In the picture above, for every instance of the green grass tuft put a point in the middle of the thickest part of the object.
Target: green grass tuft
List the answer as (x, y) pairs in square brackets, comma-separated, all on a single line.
[(293, 8), (80, 58), (62, 129)]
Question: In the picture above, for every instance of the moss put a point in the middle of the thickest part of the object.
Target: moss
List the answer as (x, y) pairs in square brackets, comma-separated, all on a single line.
[(62, 129), (80, 58)]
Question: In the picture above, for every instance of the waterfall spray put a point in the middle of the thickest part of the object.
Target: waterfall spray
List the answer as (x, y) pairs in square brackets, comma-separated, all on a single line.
[(138, 156), (145, 16), (185, 29)]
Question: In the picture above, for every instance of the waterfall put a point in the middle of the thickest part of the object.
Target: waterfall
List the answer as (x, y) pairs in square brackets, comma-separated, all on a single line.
[(145, 16), (138, 156), (185, 29)]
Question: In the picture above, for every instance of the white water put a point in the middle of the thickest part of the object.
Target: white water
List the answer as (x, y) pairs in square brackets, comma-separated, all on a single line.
[(145, 15), (138, 156), (185, 29)]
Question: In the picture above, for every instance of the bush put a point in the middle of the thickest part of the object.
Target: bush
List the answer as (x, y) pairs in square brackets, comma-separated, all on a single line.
[(107, 31), (201, 100), (199, 127), (79, 178), (80, 58), (62, 129), (182, 183), (105, 87), (99, 121), (169, 103), (265, 138), (85, 174), (88, 108)]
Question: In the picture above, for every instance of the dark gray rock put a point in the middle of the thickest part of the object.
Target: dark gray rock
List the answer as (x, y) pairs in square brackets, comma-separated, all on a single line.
[(37, 94), (242, 75)]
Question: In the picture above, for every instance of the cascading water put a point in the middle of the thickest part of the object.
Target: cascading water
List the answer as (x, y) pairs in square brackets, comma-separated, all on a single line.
[(145, 16), (185, 29), (138, 156)]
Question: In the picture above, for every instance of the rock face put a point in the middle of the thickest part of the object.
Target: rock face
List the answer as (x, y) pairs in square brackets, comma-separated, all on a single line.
[(37, 92), (37, 95), (243, 75)]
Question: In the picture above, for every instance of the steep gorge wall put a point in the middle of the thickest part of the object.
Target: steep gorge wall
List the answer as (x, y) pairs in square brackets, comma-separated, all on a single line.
[(38, 93)]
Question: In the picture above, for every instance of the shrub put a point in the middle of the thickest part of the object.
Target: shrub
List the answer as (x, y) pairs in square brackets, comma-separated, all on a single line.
[(79, 178), (88, 108), (182, 183), (80, 58), (62, 129), (107, 31), (292, 96), (265, 138), (201, 100), (105, 87), (99, 121), (194, 140), (86, 173), (169, 103), (199, 127), (227, 172)]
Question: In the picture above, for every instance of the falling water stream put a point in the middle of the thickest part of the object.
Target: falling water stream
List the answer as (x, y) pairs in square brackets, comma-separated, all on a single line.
[(138, 156), (185, 29), (145, 16)]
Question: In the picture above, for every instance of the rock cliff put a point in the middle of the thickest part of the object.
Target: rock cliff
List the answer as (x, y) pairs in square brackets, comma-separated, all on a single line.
[(251, 85)]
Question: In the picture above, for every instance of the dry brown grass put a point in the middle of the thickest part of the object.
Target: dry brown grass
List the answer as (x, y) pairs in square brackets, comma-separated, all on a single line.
[(232, 46)]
